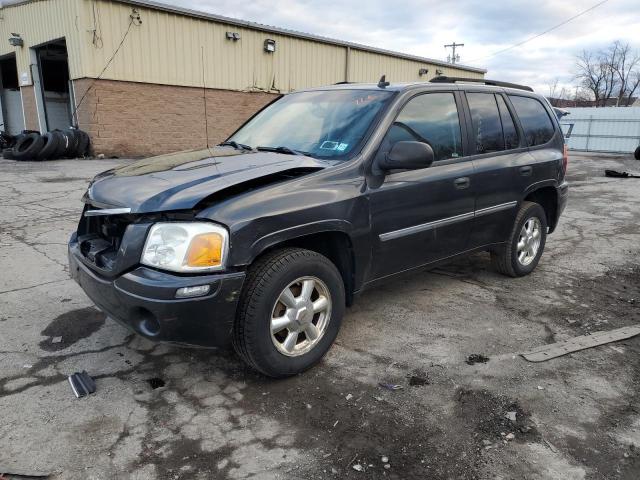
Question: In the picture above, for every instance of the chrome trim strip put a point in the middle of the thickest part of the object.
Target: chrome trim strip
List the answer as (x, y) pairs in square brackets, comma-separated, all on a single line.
[(108, 211), (424, 227), (495, 208), (445, 221)]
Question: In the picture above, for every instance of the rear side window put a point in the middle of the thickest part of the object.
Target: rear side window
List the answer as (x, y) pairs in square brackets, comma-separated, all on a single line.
[(431, 118), (537, 125), (487, 128), (511, 139)]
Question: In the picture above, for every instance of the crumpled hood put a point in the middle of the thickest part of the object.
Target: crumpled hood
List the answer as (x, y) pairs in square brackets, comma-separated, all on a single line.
[(181, 180)]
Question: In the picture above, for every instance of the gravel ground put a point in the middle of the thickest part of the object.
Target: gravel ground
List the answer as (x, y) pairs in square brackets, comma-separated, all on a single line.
[(167, 412)]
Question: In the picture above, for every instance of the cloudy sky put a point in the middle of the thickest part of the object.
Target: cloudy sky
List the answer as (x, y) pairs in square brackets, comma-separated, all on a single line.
[(422, 27)]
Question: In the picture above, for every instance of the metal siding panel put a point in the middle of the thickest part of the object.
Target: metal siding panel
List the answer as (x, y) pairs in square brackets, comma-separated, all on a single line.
[(166, 49)]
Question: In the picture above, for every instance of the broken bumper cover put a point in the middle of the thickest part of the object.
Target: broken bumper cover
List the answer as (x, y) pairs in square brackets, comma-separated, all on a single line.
[(144, 301)]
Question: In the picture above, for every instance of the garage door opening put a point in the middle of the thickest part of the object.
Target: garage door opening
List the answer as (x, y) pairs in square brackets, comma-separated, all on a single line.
[(54, 80), (11, 111)]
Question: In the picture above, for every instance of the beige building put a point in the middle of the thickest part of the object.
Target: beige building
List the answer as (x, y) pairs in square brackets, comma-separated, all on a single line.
[(134, 74)]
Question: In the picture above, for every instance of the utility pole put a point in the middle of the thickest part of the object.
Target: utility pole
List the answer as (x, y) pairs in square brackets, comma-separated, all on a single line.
[(453, 58)]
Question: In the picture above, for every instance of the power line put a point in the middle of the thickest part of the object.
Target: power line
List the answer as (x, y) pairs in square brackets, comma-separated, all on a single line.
[(540, 34)]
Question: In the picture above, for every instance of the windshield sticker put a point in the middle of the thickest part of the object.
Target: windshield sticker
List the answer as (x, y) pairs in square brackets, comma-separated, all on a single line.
[(329, 145), (342, 147)]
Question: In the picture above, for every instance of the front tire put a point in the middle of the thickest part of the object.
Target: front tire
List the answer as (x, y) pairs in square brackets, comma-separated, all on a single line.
[(290, 311), (520, 255)]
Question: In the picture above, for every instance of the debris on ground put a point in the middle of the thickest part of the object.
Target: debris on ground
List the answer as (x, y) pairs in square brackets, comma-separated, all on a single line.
[(391, 386), (617, 174), (348, 397), (554, 350), (156, 382), (56, 340), (21, 474), (511, 416), (82, 384), (510, 436), (358, 467), (385, 459), (476, 358), (418, 380)]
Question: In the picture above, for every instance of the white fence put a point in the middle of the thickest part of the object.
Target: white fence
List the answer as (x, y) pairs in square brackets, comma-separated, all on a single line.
[(606, 129)]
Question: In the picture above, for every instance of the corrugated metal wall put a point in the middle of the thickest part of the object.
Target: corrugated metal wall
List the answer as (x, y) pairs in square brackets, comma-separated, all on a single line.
[(41, 22), (167, 48), (607, 129)]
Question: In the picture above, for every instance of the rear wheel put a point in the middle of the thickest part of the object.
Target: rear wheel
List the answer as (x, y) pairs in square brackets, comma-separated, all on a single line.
[(520, 255), (290, 311), (637, 153)]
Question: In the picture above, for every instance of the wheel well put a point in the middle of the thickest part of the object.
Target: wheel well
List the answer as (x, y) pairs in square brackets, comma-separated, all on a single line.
[(547, 198), (336, 246)]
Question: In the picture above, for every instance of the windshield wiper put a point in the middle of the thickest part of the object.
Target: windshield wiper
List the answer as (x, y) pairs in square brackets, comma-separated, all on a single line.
[(236, 145), (281, 149)]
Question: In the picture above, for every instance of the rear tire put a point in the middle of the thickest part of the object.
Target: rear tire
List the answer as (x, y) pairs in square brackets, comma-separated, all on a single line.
[(256, 337), (520, 255), (637, 153)]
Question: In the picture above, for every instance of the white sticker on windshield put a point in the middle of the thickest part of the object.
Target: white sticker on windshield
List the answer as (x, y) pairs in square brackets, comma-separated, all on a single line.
[(342, 147), (329, 145)]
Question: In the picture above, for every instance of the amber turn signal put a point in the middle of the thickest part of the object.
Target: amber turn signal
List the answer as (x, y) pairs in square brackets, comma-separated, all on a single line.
[(205, 250)]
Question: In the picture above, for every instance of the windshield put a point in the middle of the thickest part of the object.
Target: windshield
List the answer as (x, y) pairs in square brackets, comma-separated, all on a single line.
[(325, 124)]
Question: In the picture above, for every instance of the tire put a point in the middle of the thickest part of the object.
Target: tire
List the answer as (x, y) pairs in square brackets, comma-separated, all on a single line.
[(28, 147), (63, 144), (72, 144), (83, 143), (636, 154), (50, 146), (7, 154), (266, 279), (506, 259)]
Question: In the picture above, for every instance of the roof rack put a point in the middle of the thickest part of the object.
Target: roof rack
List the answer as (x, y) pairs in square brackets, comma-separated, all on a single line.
[(495, 83)]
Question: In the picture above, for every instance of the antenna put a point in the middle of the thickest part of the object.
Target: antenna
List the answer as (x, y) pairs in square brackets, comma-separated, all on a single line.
[(204, 99), (383, 82)]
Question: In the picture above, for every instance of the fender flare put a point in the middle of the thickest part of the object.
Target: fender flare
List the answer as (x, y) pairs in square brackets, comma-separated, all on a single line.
[(274, 238)]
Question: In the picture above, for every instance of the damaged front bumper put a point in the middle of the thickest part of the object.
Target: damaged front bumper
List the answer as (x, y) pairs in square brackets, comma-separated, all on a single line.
[(144, 300)]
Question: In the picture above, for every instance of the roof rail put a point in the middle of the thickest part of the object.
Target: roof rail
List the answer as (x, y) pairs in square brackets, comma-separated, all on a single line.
[(495, 83)]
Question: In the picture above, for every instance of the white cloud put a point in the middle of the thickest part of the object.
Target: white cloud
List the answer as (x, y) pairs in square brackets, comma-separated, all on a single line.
[(422, 27)]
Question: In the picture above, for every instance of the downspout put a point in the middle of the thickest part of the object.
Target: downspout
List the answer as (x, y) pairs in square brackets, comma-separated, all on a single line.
[(347, 64)]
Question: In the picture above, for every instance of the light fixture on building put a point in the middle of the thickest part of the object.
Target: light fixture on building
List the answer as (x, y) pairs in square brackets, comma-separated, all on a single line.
[(438, 72), (235, 36), (423, 71), (269, 45), (15, 40)]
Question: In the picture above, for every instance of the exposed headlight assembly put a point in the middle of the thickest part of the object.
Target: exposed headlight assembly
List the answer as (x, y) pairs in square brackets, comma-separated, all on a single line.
[(186, 247)]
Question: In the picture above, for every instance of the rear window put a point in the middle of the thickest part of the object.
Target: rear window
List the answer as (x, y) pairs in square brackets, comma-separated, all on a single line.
[(537, 125)]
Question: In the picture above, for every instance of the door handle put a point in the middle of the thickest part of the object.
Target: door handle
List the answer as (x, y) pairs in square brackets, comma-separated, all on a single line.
[(462, 183), (526, 171)]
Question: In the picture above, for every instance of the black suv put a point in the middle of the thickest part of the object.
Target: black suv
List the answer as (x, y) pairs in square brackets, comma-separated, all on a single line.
[(264, 239)]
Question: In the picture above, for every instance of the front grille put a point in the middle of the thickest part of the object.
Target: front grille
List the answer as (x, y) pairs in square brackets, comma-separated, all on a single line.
[(99, 237)]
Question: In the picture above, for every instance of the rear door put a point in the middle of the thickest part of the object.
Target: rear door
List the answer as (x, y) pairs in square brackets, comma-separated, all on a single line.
[(500, 158), (543, 138), (419, 216)]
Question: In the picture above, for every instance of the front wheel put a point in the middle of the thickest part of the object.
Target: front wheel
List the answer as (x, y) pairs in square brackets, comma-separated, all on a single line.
[(520, 255), (290, 311)]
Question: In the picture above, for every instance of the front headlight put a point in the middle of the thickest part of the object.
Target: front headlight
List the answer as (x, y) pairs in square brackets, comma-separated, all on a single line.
[(186, 247)]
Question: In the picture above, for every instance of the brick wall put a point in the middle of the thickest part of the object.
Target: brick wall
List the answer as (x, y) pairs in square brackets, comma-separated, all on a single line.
[(128, 119), (30, 108)]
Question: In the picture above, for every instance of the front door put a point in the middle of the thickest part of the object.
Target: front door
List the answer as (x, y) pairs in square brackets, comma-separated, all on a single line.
[(420, 216)]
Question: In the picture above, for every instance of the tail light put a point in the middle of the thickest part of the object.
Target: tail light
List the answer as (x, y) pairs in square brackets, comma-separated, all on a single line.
[(565, 158)]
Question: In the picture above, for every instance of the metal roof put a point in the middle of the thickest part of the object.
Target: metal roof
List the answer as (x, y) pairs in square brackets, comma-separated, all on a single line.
[(268, 28)]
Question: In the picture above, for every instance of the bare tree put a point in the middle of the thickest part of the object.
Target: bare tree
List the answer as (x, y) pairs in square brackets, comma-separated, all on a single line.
[(592, 74), (610, 73), (626, 68)]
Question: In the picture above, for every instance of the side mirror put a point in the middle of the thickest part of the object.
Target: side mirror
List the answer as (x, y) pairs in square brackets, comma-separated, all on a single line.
[(408, 156)]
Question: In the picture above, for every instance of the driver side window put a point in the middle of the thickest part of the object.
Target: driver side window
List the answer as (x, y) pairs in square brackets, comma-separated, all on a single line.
[(431, 118)]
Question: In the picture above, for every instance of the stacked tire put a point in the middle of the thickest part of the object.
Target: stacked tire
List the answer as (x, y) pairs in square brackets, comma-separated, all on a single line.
[(67, 143)]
